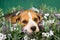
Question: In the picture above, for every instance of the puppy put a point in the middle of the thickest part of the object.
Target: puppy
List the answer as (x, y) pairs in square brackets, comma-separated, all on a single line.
[(29, 19)]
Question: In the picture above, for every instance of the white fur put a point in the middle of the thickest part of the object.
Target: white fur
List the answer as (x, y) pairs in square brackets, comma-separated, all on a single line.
[(35, 9), (17, 13), (30, 15)]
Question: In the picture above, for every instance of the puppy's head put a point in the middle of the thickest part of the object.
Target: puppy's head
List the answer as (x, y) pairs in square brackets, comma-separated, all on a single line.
[(29, 20)]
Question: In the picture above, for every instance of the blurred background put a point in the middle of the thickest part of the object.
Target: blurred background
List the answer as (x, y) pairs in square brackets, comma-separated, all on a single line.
[(26, 4)]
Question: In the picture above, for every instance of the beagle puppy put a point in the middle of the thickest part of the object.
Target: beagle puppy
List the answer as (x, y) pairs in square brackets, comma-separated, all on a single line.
[(29, 19)]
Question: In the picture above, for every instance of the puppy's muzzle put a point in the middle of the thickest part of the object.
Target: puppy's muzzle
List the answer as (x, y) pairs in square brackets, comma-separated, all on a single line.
[(33, 28)]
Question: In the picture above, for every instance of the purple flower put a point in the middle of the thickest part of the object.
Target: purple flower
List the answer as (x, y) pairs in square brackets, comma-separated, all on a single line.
[(57, 15), (58, 23)]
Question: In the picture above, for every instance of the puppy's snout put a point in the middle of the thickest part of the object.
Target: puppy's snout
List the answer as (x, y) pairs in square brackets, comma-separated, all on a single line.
[(33, 28)]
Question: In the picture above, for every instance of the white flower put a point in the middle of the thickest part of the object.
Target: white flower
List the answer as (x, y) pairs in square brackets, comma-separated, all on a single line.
[(26, 37), (43, 22), (51, 33), (9, 34), (2, 14), (51, 21), (2, 36), (47, 14), (33, 39), (45, 17), (13, 28), (45, 34)]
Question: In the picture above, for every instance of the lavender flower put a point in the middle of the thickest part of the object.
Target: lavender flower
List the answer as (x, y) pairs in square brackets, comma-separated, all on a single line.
[(58, 23), (57, 15)]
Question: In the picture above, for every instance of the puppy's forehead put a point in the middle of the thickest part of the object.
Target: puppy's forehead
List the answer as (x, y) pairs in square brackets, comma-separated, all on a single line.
[(28, 14)]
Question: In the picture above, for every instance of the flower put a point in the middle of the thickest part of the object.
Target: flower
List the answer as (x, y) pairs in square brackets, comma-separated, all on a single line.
[(2, 14), (47, 14), (9, 34), (26, 37), (45, 17), (2, 36), (45, 34), (51, 33), (13, 28), (51, 21), (58, 23), (57, 15), (48, 22), (33, 39), (43, 22)]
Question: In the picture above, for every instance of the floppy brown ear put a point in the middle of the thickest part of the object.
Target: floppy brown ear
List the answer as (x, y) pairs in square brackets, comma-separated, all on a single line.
[(12, 17), (39, 17), (8, 17)]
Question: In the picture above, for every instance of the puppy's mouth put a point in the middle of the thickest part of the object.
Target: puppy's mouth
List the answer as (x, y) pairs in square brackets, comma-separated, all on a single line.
[(26, 32)]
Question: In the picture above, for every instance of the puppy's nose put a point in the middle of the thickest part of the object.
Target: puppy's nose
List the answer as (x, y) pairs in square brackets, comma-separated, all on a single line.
[(33, 28)]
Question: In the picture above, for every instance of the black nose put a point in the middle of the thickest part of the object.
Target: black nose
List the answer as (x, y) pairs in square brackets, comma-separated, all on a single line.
[(33, 28)]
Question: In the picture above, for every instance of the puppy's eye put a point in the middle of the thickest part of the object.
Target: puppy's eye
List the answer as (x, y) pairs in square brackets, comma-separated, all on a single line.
[(25, 22), (35, 19)]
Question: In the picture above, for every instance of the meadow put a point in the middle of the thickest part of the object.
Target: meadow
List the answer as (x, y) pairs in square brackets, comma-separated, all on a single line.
[(51, 23)]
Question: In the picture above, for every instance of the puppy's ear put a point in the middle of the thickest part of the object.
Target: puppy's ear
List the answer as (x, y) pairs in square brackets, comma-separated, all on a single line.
[(12, 17), (39, 17), (8, 17)]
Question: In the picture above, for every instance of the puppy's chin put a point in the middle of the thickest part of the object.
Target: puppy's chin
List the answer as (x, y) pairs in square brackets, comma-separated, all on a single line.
[(29, 31)]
